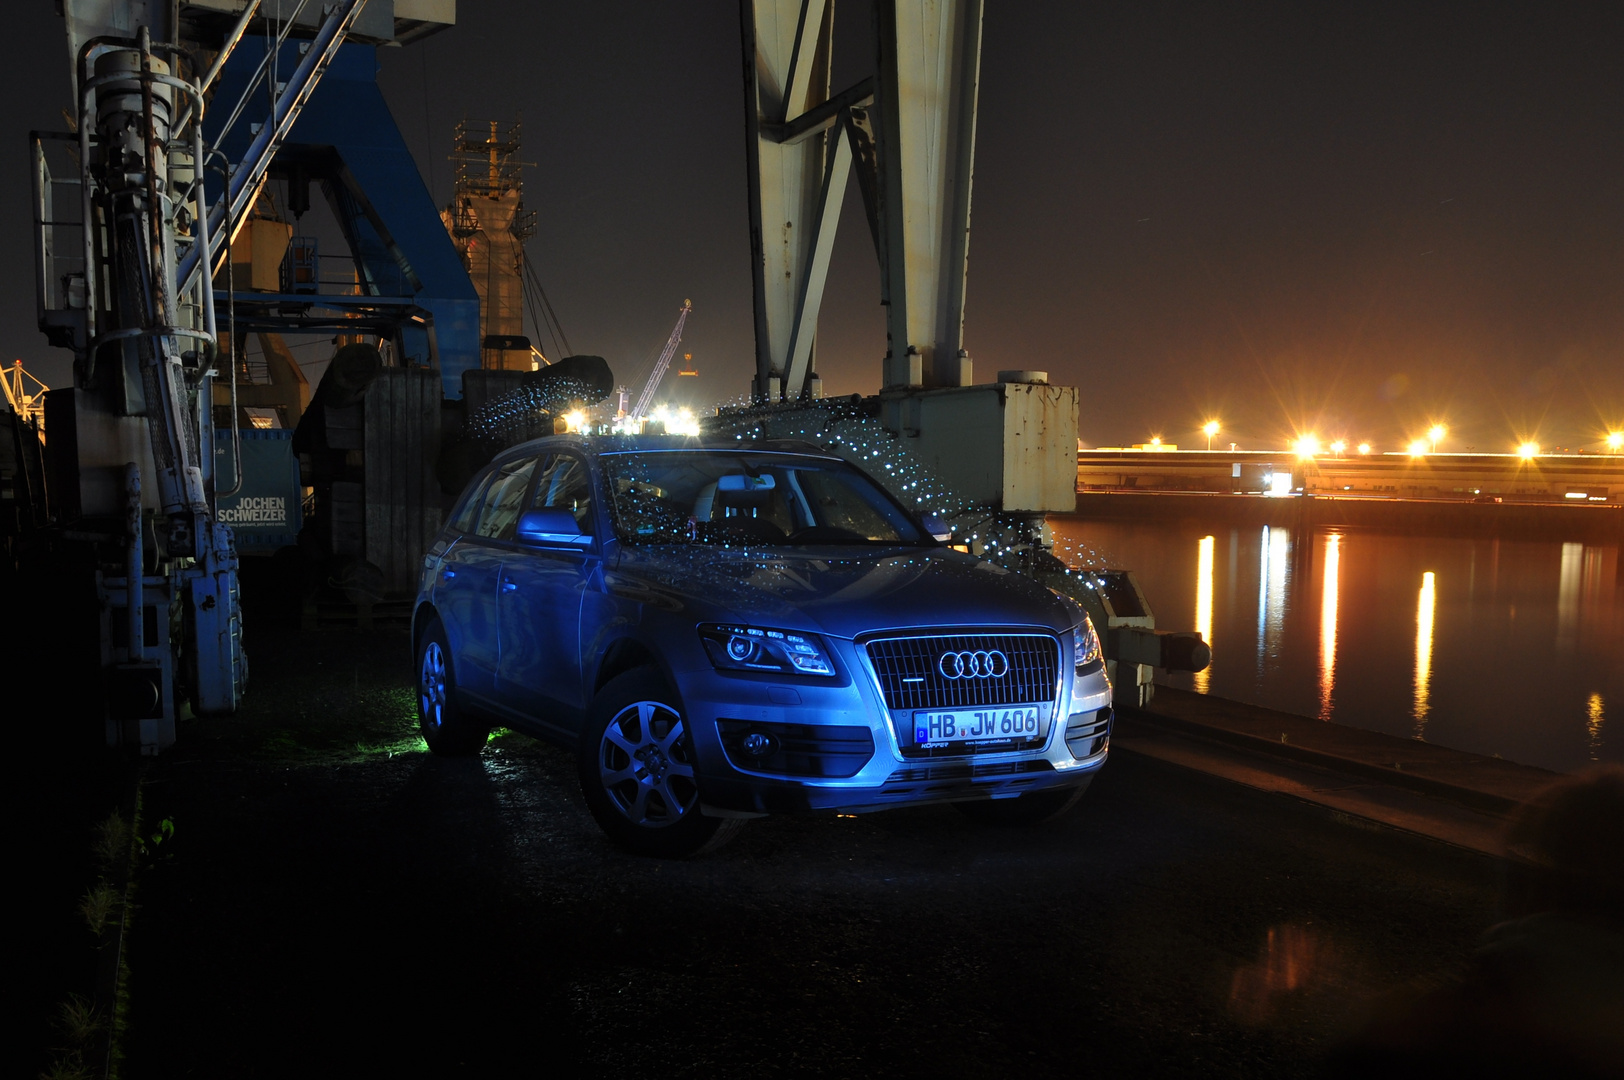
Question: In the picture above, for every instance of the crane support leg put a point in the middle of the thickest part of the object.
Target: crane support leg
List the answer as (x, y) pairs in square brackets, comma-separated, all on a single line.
[(909, 134), (837, 168), (786, 72), (928, 72), (914, 151)]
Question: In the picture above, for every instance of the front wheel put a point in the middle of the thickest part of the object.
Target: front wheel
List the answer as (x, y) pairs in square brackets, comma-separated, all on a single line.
[(1029, 809), (636, 763), (447, 727)]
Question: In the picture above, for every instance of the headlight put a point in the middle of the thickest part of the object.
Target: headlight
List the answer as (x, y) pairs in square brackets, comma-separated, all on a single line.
[(758, 648), (1086, 644)]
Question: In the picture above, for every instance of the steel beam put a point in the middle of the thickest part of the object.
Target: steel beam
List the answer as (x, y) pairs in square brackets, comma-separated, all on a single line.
[(786, 72), (837, 170), (914, 151), (248, 175), (928, 67)]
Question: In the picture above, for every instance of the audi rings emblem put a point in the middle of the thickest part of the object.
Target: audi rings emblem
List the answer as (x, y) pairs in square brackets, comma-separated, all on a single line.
[(973, 665)]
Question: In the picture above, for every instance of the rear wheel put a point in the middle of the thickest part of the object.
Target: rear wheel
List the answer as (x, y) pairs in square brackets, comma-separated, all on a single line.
[(448, 728), (636, 763), (1031, 809)]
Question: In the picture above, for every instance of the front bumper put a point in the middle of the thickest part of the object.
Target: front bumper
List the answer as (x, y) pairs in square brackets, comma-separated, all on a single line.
[(826, 764)]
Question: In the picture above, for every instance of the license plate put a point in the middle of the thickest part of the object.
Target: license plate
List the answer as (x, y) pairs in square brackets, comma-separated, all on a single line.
[(977, 725)]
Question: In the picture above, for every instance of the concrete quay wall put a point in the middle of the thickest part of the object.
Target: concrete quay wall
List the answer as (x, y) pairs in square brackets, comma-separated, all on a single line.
[(1595, 522)]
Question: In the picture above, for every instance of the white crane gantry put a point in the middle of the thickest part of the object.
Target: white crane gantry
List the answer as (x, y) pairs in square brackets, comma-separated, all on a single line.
[(646, 398)]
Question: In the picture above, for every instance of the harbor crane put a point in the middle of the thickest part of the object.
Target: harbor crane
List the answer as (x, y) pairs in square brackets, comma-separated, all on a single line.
[(908, 133), (29, 405), (179, 110), (646, 398)]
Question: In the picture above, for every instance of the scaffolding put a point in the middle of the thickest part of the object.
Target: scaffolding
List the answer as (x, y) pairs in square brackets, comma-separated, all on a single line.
[(489, 224)]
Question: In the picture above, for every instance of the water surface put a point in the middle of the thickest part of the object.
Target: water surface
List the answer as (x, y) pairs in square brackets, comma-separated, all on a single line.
[(1504, 647)]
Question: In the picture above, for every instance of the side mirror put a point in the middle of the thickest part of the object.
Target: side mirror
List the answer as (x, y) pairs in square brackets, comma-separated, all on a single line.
[(556, 527), (938, 529)]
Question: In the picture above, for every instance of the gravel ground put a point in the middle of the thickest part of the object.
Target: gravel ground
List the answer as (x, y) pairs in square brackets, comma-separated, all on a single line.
[(338, 900)]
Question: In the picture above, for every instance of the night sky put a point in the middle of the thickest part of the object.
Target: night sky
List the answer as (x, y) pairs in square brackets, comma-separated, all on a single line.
[(1352, 219)]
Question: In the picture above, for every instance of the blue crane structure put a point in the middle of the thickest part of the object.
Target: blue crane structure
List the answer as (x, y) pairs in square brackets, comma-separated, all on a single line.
[(412, 283), (181, 115)]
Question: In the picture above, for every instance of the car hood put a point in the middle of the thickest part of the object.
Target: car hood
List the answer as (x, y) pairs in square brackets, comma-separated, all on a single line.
[(838, 591)]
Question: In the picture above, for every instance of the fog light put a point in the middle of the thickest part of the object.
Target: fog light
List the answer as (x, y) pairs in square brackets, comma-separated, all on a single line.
[(757, 745)]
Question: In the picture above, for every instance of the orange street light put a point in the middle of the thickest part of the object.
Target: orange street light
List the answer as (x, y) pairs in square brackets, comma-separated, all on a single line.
[(1306, 446), (1338, 446), (1528, 451), (1435, 435), (1209, 429), (1364, 448), (1418, 448), (1615, 441)]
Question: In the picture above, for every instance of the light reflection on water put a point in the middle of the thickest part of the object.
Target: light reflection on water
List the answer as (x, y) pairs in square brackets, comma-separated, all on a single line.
[(1493, 646), (1426, 606), (1275, 556), (1203, 603), (1567, 594), (1328, 595)]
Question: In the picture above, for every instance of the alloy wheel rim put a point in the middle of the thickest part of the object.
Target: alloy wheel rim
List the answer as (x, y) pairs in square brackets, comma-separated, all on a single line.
[(431, 685), (644, 765)]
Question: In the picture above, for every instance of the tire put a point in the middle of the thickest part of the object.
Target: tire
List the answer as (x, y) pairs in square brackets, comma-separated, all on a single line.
[(636, 765), (1032, 809), (448, 728)]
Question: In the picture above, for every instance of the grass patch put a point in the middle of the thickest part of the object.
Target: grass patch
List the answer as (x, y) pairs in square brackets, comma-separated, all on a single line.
[(328, 729), (327, 698), (79, 1020), (111, 844), (411, 744), (98, 906), (67, 1065), (324, 698)]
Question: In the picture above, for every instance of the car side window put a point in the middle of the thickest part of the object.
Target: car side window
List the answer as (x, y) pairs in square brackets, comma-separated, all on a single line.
[(468, 512), (565, 485), (500, 508)]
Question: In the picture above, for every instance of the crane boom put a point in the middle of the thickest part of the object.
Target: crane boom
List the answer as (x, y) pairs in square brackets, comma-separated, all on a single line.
[(646, 398)]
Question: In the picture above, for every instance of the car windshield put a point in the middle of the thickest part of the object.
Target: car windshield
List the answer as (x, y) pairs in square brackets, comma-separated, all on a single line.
[(749, 498)]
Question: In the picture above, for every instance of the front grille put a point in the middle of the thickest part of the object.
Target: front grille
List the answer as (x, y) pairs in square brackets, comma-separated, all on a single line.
[(964, 780), (911, 678), (969, 771)]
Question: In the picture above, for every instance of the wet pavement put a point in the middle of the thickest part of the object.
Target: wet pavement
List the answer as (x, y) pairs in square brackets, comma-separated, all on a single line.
[(339, 900)]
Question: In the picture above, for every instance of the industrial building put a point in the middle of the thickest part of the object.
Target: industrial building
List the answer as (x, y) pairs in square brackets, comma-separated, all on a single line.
[(1542, 478)]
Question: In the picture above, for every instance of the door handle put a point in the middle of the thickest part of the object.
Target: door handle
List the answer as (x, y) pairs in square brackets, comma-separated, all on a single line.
[(447, 575), (510, 586)]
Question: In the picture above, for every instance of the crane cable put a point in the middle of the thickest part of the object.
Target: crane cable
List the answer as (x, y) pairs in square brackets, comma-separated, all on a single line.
[(555, 329), (536, 317)]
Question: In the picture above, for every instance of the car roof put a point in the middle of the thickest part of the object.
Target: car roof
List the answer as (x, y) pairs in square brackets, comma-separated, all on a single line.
[(603, 445)]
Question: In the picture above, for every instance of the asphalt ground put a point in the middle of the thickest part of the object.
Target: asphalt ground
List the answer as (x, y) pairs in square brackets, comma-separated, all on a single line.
[(336, 900)]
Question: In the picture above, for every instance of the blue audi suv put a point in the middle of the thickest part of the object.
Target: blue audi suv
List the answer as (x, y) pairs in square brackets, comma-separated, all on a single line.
[(723, 630)]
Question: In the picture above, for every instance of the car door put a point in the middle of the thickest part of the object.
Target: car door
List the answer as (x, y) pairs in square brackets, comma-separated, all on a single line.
[(470, 571), (539, 604)]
